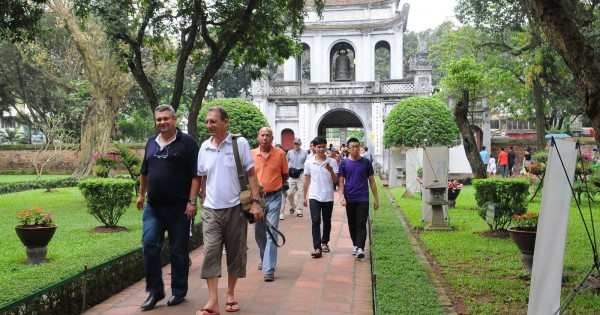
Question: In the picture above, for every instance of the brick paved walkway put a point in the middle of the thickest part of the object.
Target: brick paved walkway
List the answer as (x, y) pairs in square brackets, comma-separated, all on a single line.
[(337, 283)]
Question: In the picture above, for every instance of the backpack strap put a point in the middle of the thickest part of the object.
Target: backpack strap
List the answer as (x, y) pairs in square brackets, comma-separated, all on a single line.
[(238, 163)]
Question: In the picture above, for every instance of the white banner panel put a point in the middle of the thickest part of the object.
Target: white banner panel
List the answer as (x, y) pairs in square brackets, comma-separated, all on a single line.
[(435, 168), (549, 253)]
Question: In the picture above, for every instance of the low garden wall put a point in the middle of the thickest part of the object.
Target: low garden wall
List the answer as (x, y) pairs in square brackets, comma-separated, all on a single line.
[(16, 159)]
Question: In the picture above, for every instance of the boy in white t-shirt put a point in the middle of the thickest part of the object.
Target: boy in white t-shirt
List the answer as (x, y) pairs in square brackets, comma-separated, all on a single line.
[(320, 173)]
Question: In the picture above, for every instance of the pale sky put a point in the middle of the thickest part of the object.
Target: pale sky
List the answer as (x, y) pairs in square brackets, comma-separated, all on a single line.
[(425, 14)]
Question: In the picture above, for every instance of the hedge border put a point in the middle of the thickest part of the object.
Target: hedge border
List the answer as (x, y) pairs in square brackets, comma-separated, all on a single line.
[(7, 188), (100, 283)]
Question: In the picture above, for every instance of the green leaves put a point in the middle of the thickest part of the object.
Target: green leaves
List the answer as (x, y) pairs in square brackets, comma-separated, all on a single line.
[(107, 199), (19, 18), (244, 118), (464, 74), (509, 197), (420, 121)]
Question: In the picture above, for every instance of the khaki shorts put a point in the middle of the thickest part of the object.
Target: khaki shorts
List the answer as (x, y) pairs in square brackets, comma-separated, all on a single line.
[(224, 227)]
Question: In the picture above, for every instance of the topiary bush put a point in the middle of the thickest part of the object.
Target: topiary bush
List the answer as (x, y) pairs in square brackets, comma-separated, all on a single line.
[(420, 121), (107, 199), (508, 195), (541, 157), (244, 118), (131, 161), (104, 164)]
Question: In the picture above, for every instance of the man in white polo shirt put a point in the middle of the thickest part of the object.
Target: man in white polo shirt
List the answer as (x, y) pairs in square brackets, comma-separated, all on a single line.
[(223, 222), (320, 173)]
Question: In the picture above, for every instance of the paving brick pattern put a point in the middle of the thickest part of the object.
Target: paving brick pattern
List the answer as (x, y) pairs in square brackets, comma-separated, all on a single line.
[(337, 283)]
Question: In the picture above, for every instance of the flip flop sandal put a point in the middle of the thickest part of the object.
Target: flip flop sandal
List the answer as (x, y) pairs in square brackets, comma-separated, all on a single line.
[(207, 311), (325, 248), (232, 307), (292, 211), (300, 215)]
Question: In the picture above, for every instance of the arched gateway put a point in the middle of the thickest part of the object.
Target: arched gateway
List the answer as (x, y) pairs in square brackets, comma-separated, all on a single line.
[(336, 83)]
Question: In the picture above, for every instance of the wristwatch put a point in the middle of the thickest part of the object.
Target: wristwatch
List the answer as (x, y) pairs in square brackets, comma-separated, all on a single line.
[(257, 200), (192, 202)]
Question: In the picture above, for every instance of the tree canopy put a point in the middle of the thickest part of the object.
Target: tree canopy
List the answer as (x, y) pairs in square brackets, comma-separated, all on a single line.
[(508, 40), (202, 33), (18, 18), (244, 118), (572, 29), (420, 121)]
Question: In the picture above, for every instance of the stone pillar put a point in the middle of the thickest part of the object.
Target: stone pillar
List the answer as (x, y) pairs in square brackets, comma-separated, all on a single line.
[(366, 64), (343, 135), (319, 61), (485, 125), (376, 136), (396, 54), (303, 124), (289, 69)]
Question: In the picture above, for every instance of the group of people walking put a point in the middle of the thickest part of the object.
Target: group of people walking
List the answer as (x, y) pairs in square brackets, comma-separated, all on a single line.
[(175, 171), (505, 161)]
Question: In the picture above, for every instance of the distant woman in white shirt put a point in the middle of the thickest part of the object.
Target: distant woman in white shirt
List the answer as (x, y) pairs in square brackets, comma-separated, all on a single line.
[(492, 167), (320, 173)]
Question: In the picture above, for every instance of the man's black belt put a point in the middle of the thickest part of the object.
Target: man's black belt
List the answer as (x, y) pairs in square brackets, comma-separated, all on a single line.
[(273, 192)]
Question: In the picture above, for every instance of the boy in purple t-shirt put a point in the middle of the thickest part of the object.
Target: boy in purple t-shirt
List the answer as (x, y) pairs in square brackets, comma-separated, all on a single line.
[(355, 177)]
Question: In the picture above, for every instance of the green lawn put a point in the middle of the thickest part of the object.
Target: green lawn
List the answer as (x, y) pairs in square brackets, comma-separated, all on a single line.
[(403, 286), (25, 178), (72, 247), (486, 272)]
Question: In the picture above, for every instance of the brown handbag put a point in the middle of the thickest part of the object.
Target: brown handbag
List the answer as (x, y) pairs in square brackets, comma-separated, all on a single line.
[(246, 193)]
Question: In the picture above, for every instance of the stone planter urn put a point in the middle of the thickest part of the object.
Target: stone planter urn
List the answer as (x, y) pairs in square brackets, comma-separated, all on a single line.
[(525, 241), (452, 195), (36, 239)]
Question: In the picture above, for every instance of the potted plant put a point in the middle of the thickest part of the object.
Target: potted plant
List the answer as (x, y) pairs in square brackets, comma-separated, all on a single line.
[(35, 231), (523, 233), (454, 188)]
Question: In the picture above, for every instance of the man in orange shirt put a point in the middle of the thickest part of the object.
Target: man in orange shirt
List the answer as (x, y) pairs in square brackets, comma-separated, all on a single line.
[(503, 162), (271, 168)]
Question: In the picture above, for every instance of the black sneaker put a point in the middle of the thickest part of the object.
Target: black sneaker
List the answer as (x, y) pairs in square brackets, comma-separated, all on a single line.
[(360, 254)]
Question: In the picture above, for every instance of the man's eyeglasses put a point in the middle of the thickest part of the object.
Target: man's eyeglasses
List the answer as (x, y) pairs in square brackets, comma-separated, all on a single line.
[(159, 153)]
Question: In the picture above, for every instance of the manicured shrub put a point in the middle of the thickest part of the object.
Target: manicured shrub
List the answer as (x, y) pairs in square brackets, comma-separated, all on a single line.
[(104, 164), (420, 121), (244, 118), (509, 197), (131, 161), (107, 199), (7, 188)]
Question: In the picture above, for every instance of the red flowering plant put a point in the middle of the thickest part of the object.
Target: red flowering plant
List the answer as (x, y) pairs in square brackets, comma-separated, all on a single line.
[(105, 163), (527, 221), (454, 185), (35, 217)]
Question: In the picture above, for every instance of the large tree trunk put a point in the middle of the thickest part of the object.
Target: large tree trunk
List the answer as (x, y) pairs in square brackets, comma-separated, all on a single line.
[(579, 55), (461, 111), (197, 101), (97, 126), (540, 114), (109, 83)]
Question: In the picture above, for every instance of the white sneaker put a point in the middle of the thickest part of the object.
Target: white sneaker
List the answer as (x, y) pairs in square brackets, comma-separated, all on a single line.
[(354, 250), (360, 254)]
